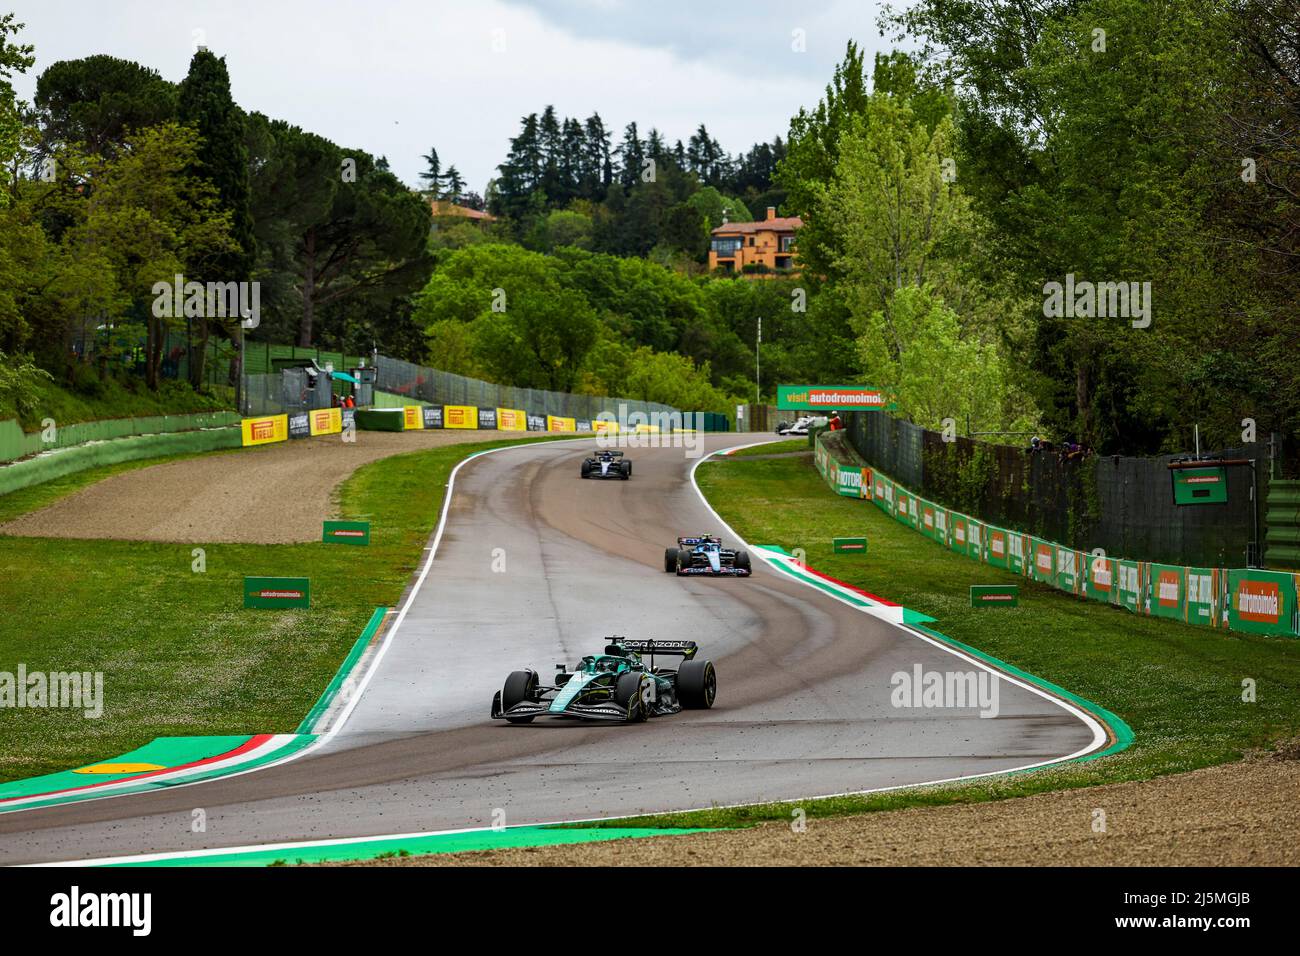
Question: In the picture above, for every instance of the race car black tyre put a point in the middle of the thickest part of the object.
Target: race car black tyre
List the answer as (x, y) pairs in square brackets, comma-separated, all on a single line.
[(520, 686), (627, 694), (586, 471), (697, 684), (683, 558), (626, 469), (670, 560), (742, 559)]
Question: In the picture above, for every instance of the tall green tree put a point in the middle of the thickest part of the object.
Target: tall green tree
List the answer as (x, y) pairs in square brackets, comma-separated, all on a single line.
[(14, 58), (204, 103)]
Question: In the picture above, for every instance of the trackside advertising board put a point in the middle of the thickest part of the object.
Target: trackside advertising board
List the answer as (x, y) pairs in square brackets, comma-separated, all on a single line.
[(487, 419), (277, 593), (1129, 588), (326, 421), (412, 417), (346, 532), (263, 431), (826, 398), (1203, 598), (848, 481), (849, 545), (997, 546), (1099, 582), (1261, 602), (1166, 591), (459, 416), (512, 419), (556, 424), (1240, 599), (432, 416)]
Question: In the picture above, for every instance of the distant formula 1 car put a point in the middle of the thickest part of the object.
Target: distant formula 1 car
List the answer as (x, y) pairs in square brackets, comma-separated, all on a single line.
[(798, 427), (706, 555), (607, 464), (616, 685)]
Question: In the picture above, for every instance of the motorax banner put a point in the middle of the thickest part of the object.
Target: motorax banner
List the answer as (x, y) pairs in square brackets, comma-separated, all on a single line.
[(537, 423), (844, 398), (974, 539), (432, 416), (1017, 552), (487, 418), (459, 416), (299, 425), (263, 431), (412, 417), (556, 424), (1262, 602), (326, 421), (848, 481), (512, 419)]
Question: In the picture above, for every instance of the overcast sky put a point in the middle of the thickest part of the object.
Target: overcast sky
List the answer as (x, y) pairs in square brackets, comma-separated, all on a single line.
[(394, 77)]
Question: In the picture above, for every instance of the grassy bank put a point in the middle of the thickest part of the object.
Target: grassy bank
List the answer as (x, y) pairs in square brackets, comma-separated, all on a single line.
[(111, 398), (179, 654), (1178, 687)]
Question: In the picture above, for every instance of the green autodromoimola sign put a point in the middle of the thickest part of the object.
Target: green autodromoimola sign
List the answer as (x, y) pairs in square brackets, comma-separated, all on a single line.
[(277, 592), (850, 545), (994, 595), (346, 532)]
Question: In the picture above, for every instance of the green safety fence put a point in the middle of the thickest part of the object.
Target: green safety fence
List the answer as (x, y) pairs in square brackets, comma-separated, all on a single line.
[(67, 461), (1239, 599), (16, 444)]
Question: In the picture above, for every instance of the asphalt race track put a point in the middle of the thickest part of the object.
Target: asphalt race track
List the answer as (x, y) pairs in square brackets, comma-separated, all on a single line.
[(803, 705)]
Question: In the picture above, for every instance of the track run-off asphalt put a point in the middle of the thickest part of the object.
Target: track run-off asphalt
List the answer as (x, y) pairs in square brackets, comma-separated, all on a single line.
[(534, 567)]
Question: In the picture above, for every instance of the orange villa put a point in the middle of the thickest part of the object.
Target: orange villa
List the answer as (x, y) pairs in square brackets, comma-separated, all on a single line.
[(765, 247)]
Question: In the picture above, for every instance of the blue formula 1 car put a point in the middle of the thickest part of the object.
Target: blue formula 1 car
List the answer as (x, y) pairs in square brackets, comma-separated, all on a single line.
[(607, 464), (706, 555), (617, 685)]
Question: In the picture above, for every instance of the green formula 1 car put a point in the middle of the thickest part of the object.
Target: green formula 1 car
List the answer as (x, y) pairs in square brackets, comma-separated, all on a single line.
[(616, 685)]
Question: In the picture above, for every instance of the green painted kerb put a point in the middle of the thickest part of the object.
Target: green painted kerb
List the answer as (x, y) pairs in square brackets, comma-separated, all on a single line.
[(504, 839), (1120, 732), (345, 669)]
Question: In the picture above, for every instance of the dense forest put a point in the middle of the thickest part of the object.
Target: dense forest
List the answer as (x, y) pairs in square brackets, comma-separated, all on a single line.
[(1142, 154)]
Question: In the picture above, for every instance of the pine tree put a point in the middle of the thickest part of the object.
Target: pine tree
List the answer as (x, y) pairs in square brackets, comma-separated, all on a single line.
[(204, 102), (432, 176)]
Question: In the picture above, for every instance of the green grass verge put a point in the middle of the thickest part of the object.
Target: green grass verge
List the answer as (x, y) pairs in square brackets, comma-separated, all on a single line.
[(1179, 687), (179, 654), (111, 398), (773, 448)]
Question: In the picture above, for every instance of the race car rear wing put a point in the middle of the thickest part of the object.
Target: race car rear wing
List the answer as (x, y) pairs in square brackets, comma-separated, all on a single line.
[(683, 649), (683, 542)]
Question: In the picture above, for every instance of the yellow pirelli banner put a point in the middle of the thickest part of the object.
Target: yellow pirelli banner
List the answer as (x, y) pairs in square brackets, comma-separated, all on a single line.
[(326, 421), (459, 416), (512, 420), (603, 427), (263, 431), (412, 417), (556, 424)]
